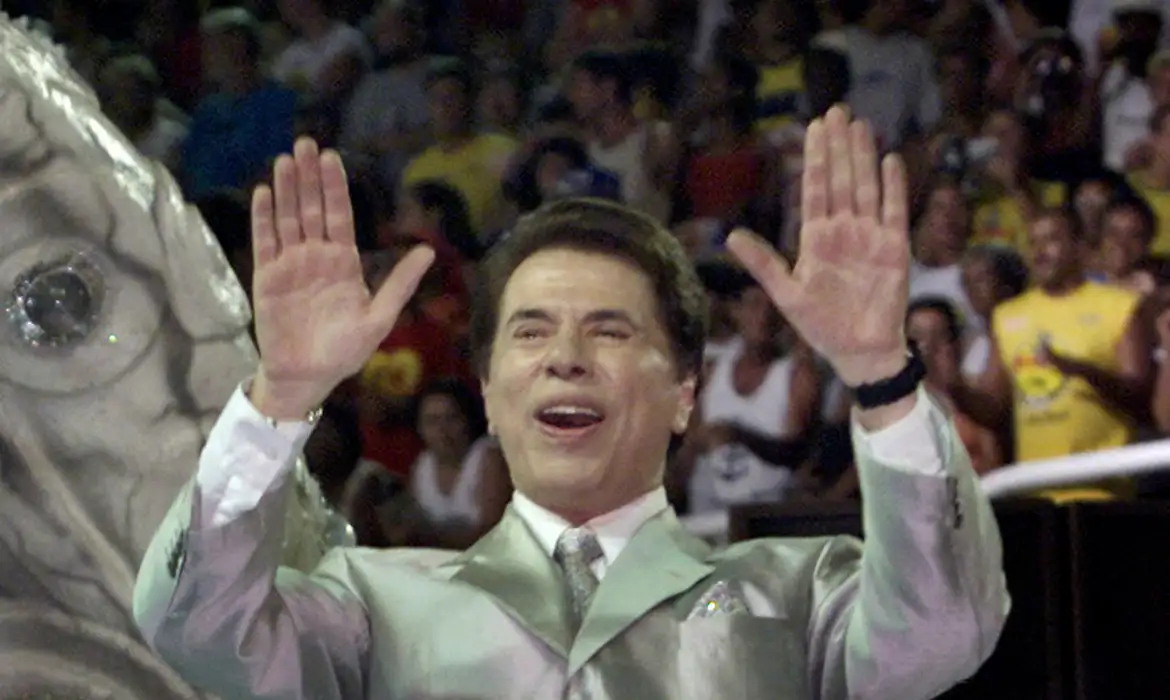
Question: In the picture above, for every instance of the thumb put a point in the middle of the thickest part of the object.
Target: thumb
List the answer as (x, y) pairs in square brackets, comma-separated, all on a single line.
[(765, 265), (402, 283)]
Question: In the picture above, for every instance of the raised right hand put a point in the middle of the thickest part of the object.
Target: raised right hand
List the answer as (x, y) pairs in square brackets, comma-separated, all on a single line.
[(316, 320)]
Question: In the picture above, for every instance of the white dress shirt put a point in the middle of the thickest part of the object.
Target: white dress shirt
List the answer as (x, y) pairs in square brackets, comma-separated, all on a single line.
[(246, 456), (613, 530)]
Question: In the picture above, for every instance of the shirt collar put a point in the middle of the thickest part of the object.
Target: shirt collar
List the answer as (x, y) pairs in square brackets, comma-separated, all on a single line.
[(613, 529)]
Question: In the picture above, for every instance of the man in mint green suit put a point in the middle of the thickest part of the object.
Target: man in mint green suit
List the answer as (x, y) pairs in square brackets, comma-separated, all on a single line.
[(588, 337)]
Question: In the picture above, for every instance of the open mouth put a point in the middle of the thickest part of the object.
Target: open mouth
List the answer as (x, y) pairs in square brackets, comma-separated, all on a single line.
[(569, 419)]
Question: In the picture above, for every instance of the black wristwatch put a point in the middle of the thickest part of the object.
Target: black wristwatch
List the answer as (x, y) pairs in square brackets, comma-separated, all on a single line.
[(897, 387)]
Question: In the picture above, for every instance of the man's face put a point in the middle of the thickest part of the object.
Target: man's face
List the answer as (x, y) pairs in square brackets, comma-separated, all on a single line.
[(443, 427), (585, 95), (124, 99), (1005, 127), (945, 221), (756, 319), (1090, 201), (224, 56), (957, 81), (1055, 252), (447, 107), (929, 330), (980, 285), (1123, 243), (583, 391)]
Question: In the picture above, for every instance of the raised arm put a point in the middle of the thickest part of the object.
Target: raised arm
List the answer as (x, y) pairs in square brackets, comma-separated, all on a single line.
[(920, 608), (923, 605), (210, 597)]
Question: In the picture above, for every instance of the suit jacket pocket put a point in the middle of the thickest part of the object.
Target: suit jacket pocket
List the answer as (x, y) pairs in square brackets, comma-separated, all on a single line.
[(742, 656)]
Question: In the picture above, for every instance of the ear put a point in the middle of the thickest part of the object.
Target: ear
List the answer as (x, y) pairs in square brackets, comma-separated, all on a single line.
[(686, 404), (485, 390)]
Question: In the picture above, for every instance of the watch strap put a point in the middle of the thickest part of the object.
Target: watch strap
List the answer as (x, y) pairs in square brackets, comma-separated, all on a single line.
[(895, 388)]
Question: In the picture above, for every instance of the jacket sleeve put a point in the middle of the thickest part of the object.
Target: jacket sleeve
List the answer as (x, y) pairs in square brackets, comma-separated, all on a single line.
[(920, 606), (212, 599)]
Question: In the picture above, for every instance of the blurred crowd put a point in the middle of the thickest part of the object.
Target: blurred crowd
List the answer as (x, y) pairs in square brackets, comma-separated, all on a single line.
[(1036, 133)]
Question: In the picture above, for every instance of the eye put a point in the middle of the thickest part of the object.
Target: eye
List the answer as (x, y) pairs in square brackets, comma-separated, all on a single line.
[(527, 334), (613, 332), (73, 319), (58, 303)]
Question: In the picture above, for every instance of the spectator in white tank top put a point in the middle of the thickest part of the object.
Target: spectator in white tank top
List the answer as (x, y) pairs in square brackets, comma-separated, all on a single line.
[(460, 480), (754, 415)]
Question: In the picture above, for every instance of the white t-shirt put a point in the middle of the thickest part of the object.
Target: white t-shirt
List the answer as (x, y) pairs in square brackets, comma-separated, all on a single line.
[(303, 63), (461, 504), (945, 282), (731, 474), (1126, 108)]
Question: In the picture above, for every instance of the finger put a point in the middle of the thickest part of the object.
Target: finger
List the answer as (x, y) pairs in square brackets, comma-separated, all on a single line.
[(865, 171), (895, 197), (335, 191), (265, 246), (308, 160), (765, 265), (284, 194), (840, 162), (814, 185), (397, 290)]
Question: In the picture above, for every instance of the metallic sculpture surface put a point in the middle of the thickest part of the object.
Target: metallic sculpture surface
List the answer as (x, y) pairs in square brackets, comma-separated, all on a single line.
[(122, 333)]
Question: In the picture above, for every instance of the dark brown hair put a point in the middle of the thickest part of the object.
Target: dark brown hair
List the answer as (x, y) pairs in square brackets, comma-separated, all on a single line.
[(598, 226)]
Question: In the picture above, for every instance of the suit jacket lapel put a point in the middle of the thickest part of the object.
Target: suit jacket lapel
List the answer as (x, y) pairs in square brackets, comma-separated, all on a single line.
[(509, 565), (661, 561)]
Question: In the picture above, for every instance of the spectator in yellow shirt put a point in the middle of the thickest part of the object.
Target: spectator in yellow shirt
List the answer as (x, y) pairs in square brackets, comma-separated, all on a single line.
[(1070, 359), (1153, 183), (472, 163), (1012, 194)]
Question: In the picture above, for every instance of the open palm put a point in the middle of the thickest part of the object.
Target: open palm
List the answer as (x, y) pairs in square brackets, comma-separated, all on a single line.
[(846, 294), (316, 321)]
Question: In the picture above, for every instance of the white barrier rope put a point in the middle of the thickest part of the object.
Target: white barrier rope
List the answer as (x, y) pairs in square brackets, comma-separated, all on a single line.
[(1016, 479), (1143, 458)]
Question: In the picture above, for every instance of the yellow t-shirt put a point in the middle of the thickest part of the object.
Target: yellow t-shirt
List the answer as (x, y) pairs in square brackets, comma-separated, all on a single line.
[(475, 169), (779, 90), (1159, 201), (1055, 415), (999, 219)]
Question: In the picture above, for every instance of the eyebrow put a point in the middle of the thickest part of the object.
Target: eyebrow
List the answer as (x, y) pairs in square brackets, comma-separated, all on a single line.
[(597, 316)]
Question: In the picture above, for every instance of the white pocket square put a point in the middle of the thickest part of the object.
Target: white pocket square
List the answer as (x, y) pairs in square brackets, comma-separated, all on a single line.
[(719, 600)]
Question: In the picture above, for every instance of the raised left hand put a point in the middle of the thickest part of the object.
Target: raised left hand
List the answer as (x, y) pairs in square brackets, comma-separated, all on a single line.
[(846, 295)]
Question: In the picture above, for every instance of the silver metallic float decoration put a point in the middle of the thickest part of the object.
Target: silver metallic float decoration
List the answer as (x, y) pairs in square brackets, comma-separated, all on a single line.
[(122, 333)]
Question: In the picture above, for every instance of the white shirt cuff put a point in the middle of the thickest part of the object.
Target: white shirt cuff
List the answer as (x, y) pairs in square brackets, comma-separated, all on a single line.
[(247, 455), (917, 443)]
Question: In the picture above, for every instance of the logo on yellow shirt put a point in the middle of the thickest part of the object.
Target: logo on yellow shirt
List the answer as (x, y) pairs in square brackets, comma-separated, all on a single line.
[(1038, 382), (395, 373)]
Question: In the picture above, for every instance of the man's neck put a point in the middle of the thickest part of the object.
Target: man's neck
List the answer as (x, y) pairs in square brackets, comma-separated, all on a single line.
[(243, 84), (613, 126), (455, 140), (935, 259), (1065, 286), (578, 516)]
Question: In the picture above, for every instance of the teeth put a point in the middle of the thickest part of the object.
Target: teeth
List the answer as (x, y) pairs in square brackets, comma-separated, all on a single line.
[(572, 411)]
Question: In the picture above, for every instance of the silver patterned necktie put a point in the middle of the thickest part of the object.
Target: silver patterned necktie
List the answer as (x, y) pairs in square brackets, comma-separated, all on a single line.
[(577, 549)]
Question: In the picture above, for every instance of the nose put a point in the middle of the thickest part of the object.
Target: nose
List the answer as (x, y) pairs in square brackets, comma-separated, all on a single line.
[(566, 358)]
